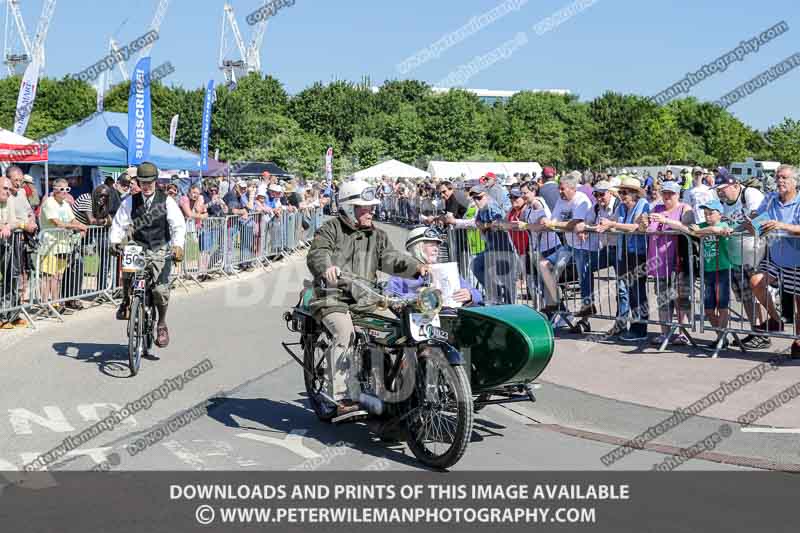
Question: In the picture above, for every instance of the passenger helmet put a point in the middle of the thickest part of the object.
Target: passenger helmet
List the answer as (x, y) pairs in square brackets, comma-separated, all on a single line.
[(417, 237)]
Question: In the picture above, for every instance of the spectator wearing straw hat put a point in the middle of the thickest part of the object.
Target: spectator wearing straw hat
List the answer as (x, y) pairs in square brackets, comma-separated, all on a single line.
[(631, 256)]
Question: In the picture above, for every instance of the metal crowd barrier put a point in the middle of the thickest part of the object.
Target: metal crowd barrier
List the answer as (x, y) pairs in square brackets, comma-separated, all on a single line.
[(734, 305), (68, 266), (15, 285), (636, 279)]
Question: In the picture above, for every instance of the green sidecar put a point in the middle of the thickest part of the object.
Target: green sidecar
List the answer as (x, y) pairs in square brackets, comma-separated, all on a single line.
[(505, 347)]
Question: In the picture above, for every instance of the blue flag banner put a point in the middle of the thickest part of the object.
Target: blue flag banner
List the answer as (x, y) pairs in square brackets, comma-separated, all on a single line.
[(140, 124), (207, 103)]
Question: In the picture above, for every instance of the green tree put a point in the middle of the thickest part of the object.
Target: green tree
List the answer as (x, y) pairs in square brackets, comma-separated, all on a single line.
[(337, 109), (368, 151), (455, 124), (785, 141)]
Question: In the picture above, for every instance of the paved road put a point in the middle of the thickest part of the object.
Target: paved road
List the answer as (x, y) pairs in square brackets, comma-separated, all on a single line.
[(56, 382)]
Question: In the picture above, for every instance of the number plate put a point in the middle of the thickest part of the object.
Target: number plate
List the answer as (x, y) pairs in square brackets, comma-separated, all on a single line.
[(129, 258), (424, 328)]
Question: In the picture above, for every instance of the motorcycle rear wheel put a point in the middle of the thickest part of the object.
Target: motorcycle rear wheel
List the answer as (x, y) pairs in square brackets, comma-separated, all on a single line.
[(313, 354), (440, 422)]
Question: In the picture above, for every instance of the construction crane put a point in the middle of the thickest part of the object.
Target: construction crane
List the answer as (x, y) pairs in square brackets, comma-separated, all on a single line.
[(249, 56), (155, 25), (106, 80), (17, 60)]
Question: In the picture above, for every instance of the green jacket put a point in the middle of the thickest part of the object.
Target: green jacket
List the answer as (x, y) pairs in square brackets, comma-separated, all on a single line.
[(362, 252)]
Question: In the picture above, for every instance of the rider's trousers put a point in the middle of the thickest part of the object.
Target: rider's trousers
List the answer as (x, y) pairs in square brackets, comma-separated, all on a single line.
[(344, 384)]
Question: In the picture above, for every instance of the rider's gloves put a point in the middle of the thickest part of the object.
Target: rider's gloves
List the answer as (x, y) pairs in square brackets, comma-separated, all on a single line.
[(177, 253), (331, 275)]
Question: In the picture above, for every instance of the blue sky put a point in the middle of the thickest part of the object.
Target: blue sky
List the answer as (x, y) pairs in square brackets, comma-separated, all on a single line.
[(629, 46)]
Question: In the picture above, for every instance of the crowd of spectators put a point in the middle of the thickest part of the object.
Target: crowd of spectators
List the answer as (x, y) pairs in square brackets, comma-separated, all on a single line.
[(60, 232), (528, 232)]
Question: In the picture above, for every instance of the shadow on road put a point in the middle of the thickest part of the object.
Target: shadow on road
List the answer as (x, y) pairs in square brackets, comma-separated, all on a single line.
[(111, 359), (283, 417)]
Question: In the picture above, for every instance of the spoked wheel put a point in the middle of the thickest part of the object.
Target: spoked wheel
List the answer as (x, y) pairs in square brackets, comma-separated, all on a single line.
[(149, 331), (136, 335), (314, 358), (440, 420)]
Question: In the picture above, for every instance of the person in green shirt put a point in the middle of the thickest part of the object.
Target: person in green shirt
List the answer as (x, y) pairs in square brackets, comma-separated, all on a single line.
[(716, 263)]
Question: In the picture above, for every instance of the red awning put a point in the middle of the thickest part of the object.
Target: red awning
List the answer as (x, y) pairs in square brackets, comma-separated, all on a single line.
[(23, 153)]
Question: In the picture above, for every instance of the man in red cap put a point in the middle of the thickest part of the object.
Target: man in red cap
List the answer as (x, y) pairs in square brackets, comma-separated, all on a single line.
[(549, 188), (497, 192)]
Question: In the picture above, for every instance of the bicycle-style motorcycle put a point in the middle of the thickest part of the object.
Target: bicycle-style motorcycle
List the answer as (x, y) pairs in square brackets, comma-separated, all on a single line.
[(142, 319)]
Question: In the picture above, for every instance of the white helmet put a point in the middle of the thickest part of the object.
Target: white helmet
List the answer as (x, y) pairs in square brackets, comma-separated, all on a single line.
[(356, 193), (417, 237)]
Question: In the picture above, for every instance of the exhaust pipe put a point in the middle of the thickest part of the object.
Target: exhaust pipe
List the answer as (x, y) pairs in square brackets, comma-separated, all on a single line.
[(372, 404)]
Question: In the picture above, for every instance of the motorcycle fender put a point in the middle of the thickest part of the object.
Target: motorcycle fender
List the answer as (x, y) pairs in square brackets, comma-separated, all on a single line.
[(453, 356)]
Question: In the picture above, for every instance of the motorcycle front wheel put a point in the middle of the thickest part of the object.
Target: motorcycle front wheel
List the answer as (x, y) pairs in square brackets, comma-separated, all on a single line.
[(439, 422), (136, 334), (314, 360)]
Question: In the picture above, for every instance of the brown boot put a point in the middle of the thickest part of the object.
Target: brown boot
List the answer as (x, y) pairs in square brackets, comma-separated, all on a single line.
[(162, 336)]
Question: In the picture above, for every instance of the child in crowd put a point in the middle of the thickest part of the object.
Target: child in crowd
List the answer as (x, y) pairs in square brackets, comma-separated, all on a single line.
[(716, 263)]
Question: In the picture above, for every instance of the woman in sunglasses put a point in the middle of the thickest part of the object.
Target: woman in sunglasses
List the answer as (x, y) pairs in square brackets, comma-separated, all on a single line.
[(57, 222)]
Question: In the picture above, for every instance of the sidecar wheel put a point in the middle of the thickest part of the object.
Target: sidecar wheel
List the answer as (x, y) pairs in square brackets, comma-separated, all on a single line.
[(440, 419), (314, 358)]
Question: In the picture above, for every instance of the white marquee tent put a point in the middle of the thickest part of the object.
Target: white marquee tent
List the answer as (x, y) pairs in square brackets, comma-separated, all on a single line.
[(474, 170), (393, 169)]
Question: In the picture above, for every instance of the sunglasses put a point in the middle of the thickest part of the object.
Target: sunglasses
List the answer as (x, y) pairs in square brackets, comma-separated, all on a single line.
[(62, 189), (599, 194), (625, 192)]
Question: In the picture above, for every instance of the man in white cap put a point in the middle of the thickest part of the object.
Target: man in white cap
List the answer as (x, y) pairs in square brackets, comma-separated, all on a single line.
[(350, 244)]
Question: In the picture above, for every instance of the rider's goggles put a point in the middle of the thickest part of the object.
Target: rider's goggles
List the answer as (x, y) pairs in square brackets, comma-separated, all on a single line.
[(368, 195)]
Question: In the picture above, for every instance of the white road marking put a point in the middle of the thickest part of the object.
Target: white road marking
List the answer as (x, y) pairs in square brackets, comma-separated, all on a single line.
[(202, 449), (771, 430), (184, 454), (55, 420), (89, 412), (293, 442), (98, 455)]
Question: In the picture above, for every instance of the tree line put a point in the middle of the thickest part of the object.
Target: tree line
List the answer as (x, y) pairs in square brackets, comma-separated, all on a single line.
[(405, 120)]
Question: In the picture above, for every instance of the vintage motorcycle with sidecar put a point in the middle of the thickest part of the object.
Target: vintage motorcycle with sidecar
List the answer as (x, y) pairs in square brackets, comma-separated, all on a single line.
[(427, 370)]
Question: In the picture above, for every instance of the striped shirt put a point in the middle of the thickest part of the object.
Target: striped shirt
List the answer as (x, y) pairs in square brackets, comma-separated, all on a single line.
[(82, 206)]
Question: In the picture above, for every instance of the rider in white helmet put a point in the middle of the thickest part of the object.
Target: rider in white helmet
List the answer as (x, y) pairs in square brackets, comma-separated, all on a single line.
[(423, 244), (350, 243)]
